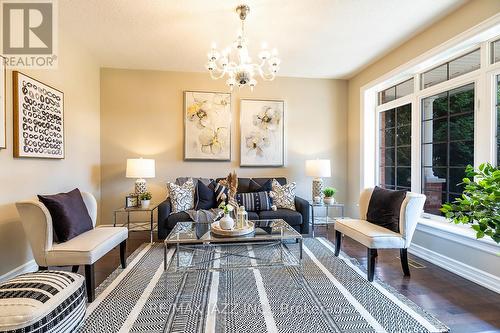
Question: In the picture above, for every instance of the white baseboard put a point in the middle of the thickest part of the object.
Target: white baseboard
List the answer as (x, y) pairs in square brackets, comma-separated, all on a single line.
[(30, 266), (470, 273)]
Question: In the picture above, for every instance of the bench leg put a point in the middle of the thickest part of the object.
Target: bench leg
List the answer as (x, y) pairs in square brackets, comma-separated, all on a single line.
[(42, 268), (338, 242), (75, 268), (123, 251), (403, 254), (90, 282), (371, 263)]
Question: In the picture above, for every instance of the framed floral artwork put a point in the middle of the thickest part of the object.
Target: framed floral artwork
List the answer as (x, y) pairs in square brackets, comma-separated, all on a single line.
[(262, 130), (3, 76), (207, 126)]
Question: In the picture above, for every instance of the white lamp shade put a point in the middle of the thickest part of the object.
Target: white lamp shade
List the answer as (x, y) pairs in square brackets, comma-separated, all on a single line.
[(140, 168), (318, 168)]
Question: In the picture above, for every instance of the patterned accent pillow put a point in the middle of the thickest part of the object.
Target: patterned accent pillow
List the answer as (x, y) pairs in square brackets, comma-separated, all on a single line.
[(283, 196), (221, 192), (181, 197), (254, 201)]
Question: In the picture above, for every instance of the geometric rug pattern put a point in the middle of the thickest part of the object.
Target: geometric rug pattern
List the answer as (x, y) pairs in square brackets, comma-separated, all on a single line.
[(328, 294)]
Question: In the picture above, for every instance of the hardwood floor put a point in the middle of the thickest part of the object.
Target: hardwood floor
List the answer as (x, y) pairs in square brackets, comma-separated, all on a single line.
[(462, 305)]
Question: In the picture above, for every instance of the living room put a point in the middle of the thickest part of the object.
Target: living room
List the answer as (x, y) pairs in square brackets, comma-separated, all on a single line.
[(169, 117)]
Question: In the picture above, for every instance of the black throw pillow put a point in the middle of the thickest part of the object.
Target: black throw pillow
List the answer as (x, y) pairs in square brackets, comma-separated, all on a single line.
[(384, 208), (256, 187), (70, 216), (205, 196)]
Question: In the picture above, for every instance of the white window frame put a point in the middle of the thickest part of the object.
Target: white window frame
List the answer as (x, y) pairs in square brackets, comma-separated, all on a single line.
[(484, 108)]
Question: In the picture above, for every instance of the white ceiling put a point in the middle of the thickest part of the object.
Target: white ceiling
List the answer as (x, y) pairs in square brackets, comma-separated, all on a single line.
[(315, 38)]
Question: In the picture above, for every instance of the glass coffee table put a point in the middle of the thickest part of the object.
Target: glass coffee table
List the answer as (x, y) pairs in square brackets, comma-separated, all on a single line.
[(273, 243)]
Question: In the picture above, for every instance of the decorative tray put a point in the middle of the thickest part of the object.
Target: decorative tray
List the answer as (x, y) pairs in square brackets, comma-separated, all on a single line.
[(217, 230)]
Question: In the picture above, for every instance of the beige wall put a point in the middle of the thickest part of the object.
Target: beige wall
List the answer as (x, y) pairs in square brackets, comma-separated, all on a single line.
[(78, 77), (457, 22), (142, 115)]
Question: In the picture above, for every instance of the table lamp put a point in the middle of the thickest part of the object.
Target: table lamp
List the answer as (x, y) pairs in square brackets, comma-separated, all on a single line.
[(318, 169), (140, 168)]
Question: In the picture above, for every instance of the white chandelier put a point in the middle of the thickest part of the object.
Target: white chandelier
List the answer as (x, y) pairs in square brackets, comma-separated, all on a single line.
[(239, 67)]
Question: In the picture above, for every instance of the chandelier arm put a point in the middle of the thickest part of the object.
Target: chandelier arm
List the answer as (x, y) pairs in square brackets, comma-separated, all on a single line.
[(215, 76)]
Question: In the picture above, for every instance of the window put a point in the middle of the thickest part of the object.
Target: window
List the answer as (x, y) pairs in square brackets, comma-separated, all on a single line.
[(400, 90), (495, 51), (447, 144), (498, 120), (395, 148), (452, 69)]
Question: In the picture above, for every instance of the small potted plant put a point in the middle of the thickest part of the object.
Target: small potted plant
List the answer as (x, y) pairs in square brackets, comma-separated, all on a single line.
[(329, 192), (145, 199), (226, 222)]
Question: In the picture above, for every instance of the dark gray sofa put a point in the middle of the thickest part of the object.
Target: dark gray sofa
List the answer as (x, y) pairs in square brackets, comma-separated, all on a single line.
[(298, 219)]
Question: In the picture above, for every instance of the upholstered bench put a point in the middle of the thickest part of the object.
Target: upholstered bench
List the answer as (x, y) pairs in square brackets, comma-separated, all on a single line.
[(43, 301)]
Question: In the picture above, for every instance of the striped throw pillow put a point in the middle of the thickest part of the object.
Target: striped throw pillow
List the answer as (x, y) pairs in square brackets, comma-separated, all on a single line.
[(221, 193), (254, 201)]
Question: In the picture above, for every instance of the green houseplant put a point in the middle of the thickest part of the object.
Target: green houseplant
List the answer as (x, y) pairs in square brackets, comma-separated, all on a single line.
[(329, 192), (145, 199), (479, 205)]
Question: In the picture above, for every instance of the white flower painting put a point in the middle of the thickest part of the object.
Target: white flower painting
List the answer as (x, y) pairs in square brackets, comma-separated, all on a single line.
[(262, 132), (207, 123)]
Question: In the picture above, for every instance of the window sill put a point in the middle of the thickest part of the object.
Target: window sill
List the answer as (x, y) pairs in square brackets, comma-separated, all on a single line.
[(458, 233)]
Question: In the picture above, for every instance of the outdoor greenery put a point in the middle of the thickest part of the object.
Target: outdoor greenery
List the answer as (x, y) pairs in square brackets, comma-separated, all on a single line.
[(146, 196), (479, 204), (329, 192)]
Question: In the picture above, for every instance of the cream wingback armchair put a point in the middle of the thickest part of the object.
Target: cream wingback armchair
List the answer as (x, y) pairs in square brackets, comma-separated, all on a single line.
[(84, 249), (376, 237)]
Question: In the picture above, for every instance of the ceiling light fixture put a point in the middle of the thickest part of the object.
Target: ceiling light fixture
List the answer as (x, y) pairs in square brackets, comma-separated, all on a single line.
[(242, 72)]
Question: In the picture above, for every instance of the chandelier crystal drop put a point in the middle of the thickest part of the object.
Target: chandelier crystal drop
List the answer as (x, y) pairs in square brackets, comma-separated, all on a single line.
[(236, 64)]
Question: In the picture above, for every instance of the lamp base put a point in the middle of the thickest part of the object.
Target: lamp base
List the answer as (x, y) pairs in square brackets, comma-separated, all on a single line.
[(317, 188), (140, 186)]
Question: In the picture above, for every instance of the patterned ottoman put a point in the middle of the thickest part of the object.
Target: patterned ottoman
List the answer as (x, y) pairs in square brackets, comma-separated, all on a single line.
[(44, 301)]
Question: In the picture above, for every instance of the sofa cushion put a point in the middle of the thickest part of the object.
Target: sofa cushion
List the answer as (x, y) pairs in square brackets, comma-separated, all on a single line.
[(254, 201), (174, 218), (48, 301), (70, 216), (205, 196), (244, 183), (253, 215), (291, 217), (385, 207)]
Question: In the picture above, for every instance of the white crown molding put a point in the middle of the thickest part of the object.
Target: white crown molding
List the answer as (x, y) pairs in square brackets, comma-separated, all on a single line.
[(30, 266), (470, 273)]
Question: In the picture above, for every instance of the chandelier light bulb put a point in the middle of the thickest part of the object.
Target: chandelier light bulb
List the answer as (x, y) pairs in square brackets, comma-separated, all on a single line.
[(236, 63)]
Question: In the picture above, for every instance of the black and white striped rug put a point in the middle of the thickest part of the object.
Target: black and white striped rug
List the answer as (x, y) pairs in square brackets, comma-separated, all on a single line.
[(330, 294)]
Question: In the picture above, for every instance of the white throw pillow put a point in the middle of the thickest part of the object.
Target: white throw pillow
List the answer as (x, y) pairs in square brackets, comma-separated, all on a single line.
[(283, 195), (181, 196)]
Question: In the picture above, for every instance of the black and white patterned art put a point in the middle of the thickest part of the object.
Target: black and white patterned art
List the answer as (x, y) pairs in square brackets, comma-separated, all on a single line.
[(38, 119)]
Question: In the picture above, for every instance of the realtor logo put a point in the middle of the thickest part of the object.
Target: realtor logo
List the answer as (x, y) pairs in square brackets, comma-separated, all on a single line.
[(29, 33)]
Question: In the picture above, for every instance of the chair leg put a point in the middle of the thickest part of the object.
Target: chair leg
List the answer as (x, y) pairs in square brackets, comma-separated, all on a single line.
[(375, 253), (371, 264), (338, 242), (123, 251), (42, 268), (90, 282), (403, 254), (75, 268)]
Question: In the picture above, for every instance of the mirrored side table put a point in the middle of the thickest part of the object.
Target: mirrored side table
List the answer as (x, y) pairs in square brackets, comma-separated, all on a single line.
[(336, 206)]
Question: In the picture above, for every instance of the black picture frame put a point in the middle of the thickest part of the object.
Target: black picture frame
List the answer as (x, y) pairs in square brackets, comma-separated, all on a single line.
[(129, 201)]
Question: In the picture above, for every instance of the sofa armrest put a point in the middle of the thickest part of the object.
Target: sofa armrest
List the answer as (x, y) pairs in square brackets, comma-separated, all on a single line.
[(302, 206), (164, 210)]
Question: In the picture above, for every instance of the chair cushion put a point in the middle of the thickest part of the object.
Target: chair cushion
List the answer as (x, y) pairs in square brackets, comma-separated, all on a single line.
[(86, 248), (42, 302), (385, 207), (370, 235), (70, 216), (291, 217), (254, 201)]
